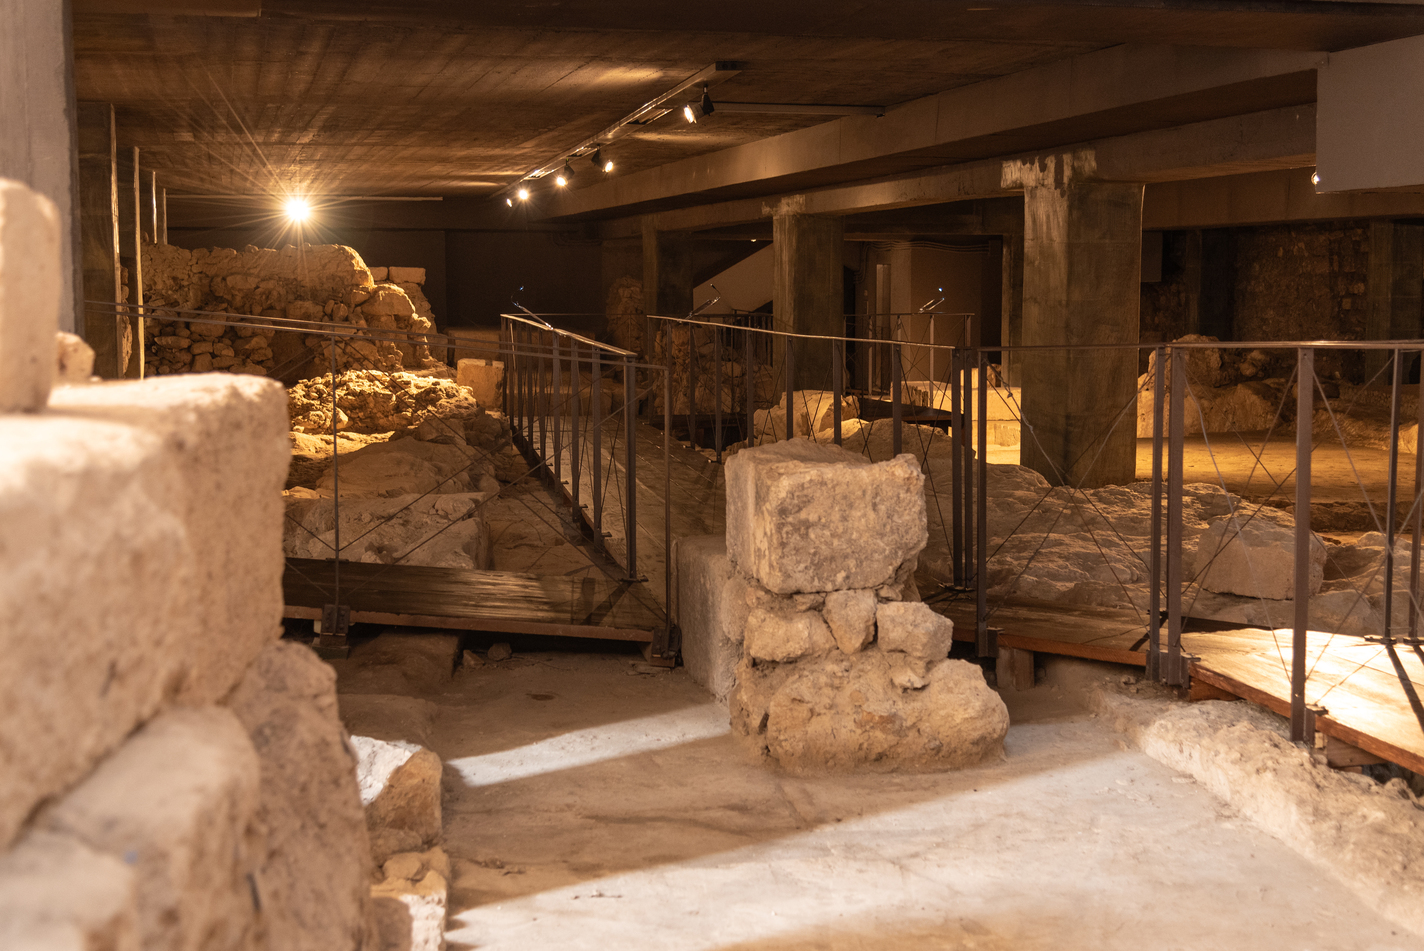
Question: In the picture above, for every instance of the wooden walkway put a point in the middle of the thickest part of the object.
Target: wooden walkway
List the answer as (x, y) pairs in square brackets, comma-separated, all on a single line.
[(1354, 680), (456, 599)]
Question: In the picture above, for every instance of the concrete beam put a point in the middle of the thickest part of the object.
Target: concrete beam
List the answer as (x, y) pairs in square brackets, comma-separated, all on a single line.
[(1109, 92), (1272, 140), (1259, 198)]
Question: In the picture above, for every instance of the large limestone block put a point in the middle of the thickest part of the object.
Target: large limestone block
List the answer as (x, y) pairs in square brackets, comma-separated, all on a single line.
[(56, 894), (177, 802), (314, 871), (914, 629), (406, 275), (400, 789), (437, 531), (1254, 558), (804, 517), (874, 711), (711, 612), (140, 562), (29, 297), (485, 378)]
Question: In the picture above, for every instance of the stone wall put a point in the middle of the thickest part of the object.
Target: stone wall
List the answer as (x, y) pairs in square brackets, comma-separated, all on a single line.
[(321, 283), (171, 775)]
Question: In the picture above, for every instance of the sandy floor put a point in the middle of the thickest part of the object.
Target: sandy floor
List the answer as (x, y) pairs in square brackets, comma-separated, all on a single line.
[(591, 803)]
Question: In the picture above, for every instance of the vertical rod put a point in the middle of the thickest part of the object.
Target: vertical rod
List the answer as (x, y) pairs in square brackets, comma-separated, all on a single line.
[(505, 352), (140, 348), (718, 382), (1305, 411), (153, 203), (981, 518), (837, 386), (1414, 606), (1176, 414), (335, 493), (575, 413), (956, 462), (789, 363), (596, 431), (163, 216), (663, 642), (630, 460), (968, 368), (1154, 595), (557, 390), (749, 384), (545, 404), (1392, 500), (895, 413), (692, 385)]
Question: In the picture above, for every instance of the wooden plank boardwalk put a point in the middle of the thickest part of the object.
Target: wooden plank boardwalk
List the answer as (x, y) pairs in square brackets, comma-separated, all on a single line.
[(456, 599), (1354, 680)]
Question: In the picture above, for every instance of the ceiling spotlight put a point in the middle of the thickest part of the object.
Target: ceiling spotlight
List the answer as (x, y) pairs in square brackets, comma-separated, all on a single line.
[(564, 176), (1315, 178), (688, 113), (297, 210), (707, 107), (597, 159), (560, 180), (509, 202), (523, 194)]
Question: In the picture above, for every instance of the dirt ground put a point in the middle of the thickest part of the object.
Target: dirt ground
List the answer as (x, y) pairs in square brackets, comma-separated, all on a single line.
[(593, 802)]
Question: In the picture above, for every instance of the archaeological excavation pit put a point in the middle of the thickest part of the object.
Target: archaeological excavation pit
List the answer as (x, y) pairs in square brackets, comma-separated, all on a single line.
[(599, 475)]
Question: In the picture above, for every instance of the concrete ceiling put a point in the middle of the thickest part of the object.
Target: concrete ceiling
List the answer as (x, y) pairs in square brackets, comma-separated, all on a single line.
[(361, 97)]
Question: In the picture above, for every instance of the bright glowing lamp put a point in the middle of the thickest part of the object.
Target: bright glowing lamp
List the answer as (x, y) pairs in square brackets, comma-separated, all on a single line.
[(523, 194), (297, 210)]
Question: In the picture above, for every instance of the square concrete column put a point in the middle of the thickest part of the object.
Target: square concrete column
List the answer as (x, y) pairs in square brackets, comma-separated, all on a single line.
[(1011, 305), (667, 278), (808, 289), (1396, 279), (99, 237), (1081, 286), (37, 116)]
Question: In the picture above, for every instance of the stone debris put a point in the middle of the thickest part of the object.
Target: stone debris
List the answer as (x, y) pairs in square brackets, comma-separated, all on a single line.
[(787, 508), (1254, 559), (57, 893), (74, 359), (29, 297), (499, 652), (484, 378), (419, 881), (832, 675), (315, 283), (400, 789)]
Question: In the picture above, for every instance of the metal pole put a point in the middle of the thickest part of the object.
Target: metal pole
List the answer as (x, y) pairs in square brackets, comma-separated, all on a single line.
[(717, 384), (557, 407), (1305, 411), (664, 639), (1414, 606), (505, 357), (335, 495), (596, 431), (982, 642), (967, 402), (748, 383), (1154, 598), (630, 460), (895, 413), (544, 402), (575, 412), (136, 278), (837, 386), (1393, 496), (1176, 414), (153, 202), (789, 363), (956, 463)]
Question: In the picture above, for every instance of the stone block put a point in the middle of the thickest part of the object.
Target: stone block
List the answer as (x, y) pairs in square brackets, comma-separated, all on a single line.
[(29, 297), (851, 616), (379, 273), (711, 611), (400, 789), (1255, 558), (74, 359), (805, 517), (869, 711), (914, 629), (314, 872), (785, 635), (177, 802), (405, 275), (56, 894), (485, 378), (160, 503)]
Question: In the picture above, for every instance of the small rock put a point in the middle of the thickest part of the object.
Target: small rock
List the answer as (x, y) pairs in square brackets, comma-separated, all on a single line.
[(470, 660), (499, 652), (785, 635), (915, 629), (851, 615), (405, 866)]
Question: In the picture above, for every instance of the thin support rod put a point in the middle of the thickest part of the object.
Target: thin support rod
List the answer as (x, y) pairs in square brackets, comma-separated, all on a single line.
[(789, 363), (557, 407), (716, 389), (335, 491), (1392, 499), (1176, 419), (663, 641), (1154, 595), (957, 434), (575, 414), (692, 386), (837, 386), (596, 431), (1414, 607), (630, 460), (895, 408), (982, 642), (1305, 411), (748, 376)]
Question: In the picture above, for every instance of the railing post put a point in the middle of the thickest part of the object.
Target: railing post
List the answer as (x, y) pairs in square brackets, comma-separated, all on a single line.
[(837, 386), (692, 385), (895, 410), (1175, 675), (505, 352), (1304, 418), (749, 384), (1154, 596), (789, 365), (983, 643), (575, 411), (630, 462), (544, 400), (1391, 503), (967, 402), (557, 407), (596, 431), (956, 462), (718, 382), (1414, 607)]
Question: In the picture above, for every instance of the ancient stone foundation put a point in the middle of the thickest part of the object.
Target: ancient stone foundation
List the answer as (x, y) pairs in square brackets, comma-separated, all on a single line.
[(841, 666)]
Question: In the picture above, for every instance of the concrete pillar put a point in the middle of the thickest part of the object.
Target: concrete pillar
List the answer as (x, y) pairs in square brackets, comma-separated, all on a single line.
[(808, 289), (1396, 281), (1011, 302), (1216, 302), (667, 277), (99, 235), (1082, 277), (38, 115)]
